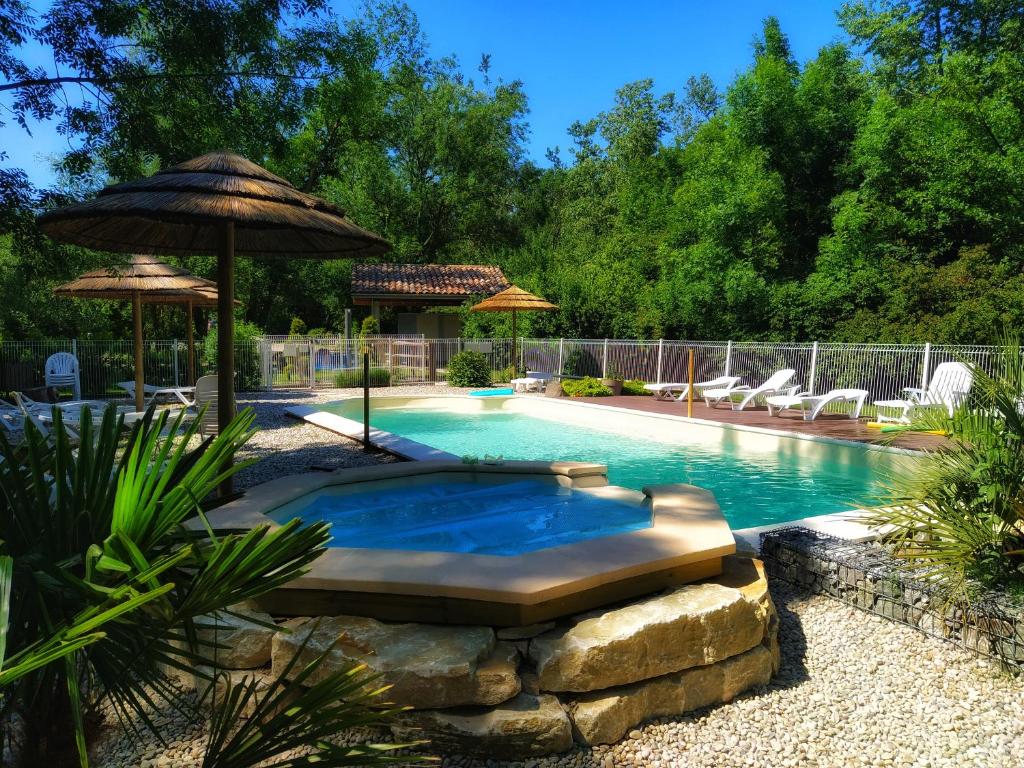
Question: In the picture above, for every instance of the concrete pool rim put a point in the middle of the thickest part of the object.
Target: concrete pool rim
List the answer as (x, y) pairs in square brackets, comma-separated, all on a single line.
[(686, 541)]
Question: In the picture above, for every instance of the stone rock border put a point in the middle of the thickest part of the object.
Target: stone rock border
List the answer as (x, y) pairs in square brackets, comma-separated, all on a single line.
[(865, 575), (528, 691)]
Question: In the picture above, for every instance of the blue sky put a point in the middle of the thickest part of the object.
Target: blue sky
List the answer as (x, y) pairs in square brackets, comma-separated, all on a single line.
[(571, 55)]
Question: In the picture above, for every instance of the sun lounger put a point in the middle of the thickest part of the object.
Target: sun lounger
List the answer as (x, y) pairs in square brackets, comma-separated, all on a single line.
[(184, 395), (774, 385), (812, 405), (948, 389), (677, 391)]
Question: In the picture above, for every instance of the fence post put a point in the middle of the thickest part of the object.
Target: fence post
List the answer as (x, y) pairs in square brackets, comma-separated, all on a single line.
[(561, 348), (728, 357), (176, 383), (522, 355), (660, 349), (604, 361), (814, 368), (926, 364)]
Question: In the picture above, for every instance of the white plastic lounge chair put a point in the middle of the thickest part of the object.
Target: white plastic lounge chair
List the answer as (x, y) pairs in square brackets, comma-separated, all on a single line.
[(206, 393), (152, 392), (677, 391), (62, 370), (812, 405), (948, 389), (534, 381), (775, 385)]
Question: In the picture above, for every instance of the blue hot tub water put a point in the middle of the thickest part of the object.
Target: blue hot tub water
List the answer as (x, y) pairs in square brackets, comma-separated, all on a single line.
[(506, 518), (753, 486)]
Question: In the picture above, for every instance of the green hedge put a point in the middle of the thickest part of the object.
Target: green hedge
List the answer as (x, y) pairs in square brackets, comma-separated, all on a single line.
[(634, 387), (469, 369), (588, 386), (379, 377)]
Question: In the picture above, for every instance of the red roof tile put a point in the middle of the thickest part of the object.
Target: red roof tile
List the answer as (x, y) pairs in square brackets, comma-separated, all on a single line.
[(426, 280)]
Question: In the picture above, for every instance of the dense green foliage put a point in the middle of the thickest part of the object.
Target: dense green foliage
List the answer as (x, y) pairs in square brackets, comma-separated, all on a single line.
[(588, 386), (634, 387), (469, 369), (957, 515), (379, 377), (103, 588), (871, 193)]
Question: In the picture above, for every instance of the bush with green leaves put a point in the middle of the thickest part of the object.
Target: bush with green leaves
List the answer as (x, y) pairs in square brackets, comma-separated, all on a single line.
[(634, 387), (103, 586), (504, 376), (379, 377), (469, 369), (956, 515), (248, 366), (588, 386)]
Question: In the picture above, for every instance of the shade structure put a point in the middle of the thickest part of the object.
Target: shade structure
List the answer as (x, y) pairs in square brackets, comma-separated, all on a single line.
[(216, 203), (514, 300), (146, 280)]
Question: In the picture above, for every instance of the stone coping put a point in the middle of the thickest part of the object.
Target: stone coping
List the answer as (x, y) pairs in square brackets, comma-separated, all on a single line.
[(687, 539)]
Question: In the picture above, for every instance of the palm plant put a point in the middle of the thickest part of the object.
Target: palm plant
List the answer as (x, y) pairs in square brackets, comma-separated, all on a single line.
[(957, 517), (101, 584)]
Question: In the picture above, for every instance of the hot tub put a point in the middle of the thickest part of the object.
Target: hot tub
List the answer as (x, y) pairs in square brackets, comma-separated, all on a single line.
[(508, 544)]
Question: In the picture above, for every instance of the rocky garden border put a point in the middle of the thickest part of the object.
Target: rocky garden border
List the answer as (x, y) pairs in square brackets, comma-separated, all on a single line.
[(865, 575)]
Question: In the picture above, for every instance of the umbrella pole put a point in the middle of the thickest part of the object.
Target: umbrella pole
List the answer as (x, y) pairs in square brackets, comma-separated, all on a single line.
[(139, 376), (515, 342), (226, 337), (190, 336)]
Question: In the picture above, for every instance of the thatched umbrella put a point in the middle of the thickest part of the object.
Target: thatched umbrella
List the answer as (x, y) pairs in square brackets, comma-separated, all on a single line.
[(217, 203), (514, 300), (146, 280)]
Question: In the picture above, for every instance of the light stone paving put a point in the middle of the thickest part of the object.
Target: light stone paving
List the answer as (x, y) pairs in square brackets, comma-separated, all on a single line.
[(853, 689)]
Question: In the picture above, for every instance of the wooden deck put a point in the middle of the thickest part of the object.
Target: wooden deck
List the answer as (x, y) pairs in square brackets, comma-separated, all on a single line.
[(826, 425)]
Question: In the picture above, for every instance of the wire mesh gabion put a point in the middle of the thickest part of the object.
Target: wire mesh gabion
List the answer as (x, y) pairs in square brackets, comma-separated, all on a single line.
[(867, 576)]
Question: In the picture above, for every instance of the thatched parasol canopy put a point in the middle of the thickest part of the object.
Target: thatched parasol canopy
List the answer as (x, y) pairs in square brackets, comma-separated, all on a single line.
[(514, 300), (182, 210), (219, 202), (146, 280)]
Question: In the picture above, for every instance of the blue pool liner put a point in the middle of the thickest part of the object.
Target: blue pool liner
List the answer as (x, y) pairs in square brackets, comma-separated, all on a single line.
[(491, 392)]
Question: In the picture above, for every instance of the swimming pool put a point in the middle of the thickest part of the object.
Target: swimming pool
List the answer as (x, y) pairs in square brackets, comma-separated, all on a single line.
[(757, 478)]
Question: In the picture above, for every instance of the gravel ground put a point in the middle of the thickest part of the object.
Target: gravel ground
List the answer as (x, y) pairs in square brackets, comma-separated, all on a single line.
[(286, 446), (854, 689)]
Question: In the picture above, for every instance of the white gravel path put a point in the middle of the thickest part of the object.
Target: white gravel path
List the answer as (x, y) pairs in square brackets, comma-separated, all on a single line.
[(854, 689)]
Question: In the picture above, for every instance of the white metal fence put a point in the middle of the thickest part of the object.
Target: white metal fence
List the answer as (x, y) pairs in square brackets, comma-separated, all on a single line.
[(301, 362)]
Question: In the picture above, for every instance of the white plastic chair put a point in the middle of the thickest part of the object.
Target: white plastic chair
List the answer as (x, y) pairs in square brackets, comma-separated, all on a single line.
[(62, 370), (206, 394), (949, 387), (774, 385)]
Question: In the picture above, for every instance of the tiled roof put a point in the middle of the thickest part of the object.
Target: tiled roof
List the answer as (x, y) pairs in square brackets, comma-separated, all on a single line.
[(426, 279)]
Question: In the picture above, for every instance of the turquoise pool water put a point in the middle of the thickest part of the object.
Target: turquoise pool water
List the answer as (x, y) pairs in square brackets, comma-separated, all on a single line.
[(753, 486), (506, 518)]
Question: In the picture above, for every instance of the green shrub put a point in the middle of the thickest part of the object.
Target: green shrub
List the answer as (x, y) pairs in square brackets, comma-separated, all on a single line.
[(634, 387), (369, 327), (588, 386), (504, 376), (298, 327), (469, 369), (956, 513), (379, 377), (248, 366)]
